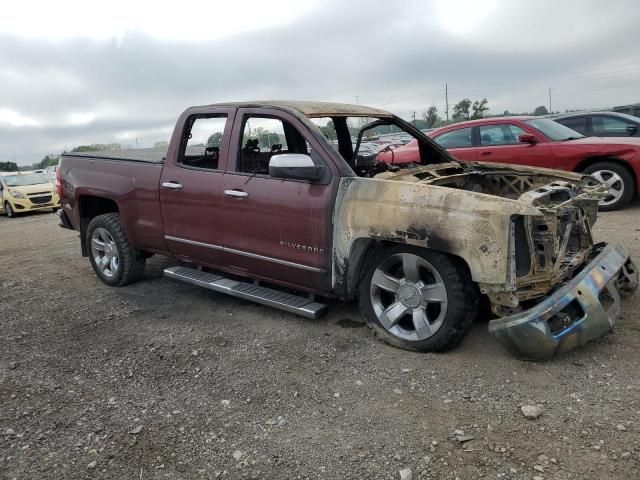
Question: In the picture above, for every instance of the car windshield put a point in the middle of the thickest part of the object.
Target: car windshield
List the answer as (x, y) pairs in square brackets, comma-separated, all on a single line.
[(26, 179), (553, 130)]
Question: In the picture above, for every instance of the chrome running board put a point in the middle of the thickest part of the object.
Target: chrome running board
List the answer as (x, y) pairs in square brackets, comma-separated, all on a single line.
[(303, 306)]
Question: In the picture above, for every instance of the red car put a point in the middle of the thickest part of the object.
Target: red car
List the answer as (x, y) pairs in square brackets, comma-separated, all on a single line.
[(540, 142)]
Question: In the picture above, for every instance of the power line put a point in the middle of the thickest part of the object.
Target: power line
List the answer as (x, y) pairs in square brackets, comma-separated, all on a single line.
[(593, 75)]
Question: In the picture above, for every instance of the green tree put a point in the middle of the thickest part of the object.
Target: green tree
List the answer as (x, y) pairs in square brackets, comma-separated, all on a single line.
[(8, 166), (431, 117), (541, 110), (96, 147), (49, 161), (329, 130), (479, 108), (215, 139), (461, 110)]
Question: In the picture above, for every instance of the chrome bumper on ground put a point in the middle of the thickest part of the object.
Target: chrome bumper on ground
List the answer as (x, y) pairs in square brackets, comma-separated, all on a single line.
[(588, 306)]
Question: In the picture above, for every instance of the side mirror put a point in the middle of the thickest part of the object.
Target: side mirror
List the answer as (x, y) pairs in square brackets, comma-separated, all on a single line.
[(527, 138), (297, 166), (632, 130)]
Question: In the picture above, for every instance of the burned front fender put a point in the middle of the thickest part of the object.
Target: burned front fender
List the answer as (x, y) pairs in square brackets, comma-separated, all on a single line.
[(582, 310), (470, 225)]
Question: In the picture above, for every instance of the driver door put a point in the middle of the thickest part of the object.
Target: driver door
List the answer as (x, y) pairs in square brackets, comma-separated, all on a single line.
[(276, 229)]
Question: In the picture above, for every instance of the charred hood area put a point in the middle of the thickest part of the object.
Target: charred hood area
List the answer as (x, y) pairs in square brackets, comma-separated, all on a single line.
[(544, 250)]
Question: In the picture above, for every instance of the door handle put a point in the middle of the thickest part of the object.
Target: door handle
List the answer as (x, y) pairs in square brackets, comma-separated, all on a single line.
[(172, 185), (236, 193), (486, 152)]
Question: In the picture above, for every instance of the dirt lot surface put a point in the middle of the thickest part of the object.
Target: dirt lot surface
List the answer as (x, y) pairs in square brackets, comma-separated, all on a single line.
[(163, 380)]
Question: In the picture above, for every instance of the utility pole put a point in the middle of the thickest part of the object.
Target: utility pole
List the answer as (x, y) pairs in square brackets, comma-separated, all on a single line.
[(357, 100), (414, 119), (446, 99), (550, 110)]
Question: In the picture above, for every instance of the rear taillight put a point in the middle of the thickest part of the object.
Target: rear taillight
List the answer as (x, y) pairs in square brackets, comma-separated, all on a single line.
[(59, 182)]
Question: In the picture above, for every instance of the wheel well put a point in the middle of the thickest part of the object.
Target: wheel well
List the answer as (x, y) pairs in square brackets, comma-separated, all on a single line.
[(593, 160), (363, 249), (89, 207)]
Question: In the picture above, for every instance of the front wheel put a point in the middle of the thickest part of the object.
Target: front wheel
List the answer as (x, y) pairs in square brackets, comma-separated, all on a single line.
[(418, 299), (112, 257), (8, 210), (619, 182)]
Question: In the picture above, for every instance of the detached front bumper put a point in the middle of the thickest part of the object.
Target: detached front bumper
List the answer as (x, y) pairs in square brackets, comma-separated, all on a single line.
[(586, 308)]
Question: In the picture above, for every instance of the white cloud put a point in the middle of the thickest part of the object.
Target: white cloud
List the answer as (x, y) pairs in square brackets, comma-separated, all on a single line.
[(187, 20), (14, 119), (81, 118), (464, 17)]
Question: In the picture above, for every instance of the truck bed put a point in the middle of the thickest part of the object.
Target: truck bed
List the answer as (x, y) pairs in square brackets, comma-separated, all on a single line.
[(127, 178)]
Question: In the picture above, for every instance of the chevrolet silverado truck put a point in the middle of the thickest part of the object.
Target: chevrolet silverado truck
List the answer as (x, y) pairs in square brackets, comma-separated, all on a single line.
[(256, 202)]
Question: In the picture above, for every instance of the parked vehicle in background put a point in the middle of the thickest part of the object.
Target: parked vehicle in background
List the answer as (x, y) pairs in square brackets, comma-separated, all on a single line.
[(365, 158), (51, 171), (540, 142), (27, 191), (633, 109), (601, 124), (416, 245)]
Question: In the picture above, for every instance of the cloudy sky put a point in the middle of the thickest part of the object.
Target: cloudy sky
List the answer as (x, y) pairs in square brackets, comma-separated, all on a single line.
[(76, 71)]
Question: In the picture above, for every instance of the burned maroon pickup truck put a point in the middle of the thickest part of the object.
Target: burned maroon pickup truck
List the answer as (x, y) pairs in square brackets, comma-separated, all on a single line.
[(257, 202)]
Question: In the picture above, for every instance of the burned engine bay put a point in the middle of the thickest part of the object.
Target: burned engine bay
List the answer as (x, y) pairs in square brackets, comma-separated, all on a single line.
[(545, 250)]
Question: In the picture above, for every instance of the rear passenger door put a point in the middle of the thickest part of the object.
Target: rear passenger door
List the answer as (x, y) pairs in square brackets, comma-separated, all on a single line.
[(276, 229), (191, 186)]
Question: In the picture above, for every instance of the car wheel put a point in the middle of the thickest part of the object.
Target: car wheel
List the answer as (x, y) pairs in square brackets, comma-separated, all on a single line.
[(8, 210), (619, 181), (112, 257), (418, 299)]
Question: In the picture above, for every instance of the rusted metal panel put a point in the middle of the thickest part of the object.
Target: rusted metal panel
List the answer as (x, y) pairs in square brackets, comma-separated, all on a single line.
[(312, 109)]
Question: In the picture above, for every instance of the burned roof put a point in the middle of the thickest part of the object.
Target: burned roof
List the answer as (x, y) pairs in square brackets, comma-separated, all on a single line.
[(313, 109)]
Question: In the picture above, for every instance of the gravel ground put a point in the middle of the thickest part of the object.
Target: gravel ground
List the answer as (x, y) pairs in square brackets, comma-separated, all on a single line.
[(163, 380)]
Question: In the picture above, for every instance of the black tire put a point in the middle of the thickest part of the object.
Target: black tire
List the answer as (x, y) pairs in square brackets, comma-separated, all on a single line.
[(461, 292), (628, 184), (8, 210), (131, 262)]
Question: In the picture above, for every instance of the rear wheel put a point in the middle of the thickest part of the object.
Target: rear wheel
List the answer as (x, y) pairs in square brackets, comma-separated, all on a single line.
[(619, 182), (112, 257), (8, 210), (418, 299)]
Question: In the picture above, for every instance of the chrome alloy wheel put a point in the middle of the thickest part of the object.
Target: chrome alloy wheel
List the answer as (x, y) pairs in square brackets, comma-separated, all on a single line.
[(409, 297), (105, 252), (614, 183)]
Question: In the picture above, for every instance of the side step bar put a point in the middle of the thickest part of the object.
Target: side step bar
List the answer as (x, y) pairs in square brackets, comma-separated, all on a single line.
[(248, 291)]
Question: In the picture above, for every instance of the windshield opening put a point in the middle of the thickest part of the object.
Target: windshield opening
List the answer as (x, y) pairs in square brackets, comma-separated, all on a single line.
[(372, 145), (26, 179), (552, 130)]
